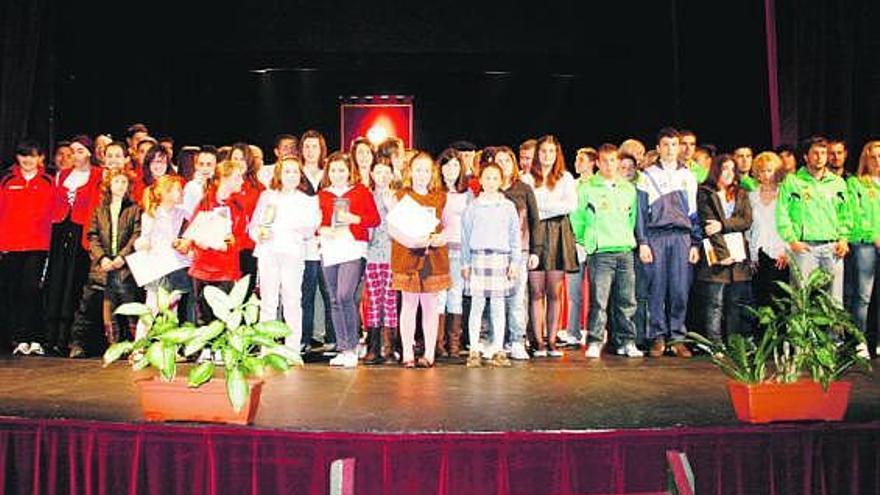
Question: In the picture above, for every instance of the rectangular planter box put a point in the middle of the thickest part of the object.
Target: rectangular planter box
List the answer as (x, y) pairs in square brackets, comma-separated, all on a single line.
[(174, 401), (799, 401)]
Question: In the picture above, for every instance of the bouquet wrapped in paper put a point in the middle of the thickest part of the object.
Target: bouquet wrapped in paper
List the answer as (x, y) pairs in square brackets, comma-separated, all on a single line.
[(410, 223)]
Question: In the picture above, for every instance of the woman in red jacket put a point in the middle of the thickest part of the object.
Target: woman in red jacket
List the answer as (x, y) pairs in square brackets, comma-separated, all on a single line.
[(76, 197), (26, 194), (348, 211), (212, 266), (242, 154)]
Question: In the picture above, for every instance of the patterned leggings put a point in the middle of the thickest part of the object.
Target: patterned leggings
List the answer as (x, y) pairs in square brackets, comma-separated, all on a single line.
[(380, 296)]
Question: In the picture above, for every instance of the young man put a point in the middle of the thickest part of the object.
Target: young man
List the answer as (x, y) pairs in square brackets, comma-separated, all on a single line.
[(837, 157), (286, 145), (812, 215), (742, 156), (687, 155), (604, 225), (668, 235), (26, 200), (526, 156)]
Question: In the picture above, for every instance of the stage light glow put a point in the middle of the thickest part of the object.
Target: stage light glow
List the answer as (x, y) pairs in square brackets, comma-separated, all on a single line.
[(377, 133)]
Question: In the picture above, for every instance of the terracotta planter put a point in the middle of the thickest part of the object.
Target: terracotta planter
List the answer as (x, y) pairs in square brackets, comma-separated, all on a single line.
[(802, 400), (174, 401)]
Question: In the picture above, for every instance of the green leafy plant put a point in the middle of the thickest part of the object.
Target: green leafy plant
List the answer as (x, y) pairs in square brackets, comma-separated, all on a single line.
[(806, 333), (248, 347)]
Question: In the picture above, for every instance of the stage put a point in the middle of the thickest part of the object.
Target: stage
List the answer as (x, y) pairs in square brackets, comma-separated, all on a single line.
[(549, 426)]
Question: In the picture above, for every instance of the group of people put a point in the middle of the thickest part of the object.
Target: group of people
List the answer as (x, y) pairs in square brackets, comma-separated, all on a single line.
[(627, 239)]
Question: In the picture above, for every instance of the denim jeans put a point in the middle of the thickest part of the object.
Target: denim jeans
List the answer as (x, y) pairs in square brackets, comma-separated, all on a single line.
[(615, 270), (725, 302), (821, 255), (574, 283), (859, 284), (313, 279), (516, 305), (451, 299), (342, 281)]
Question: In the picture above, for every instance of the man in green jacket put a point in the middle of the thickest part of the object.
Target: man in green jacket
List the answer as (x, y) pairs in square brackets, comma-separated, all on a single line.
[(812, 216), (604, 225)]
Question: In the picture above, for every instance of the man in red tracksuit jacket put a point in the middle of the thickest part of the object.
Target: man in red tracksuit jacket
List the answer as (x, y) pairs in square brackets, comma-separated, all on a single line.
[(26, 194)]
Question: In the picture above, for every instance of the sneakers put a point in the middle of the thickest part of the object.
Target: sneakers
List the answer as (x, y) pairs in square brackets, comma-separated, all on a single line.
[(877, 351), (474, 360), (594, 350), (564, 337), (347, 359), (499, 360), (629, 350), (555, 353), (77, 352), (218, 358), (204, 356), (862, 351), (24, 349), (540, 353), (518, 352), (37, 349)]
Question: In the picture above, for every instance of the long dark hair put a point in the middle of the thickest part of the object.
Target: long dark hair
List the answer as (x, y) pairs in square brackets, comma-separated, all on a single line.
[(715, 175), (154, 151), (445, 157)]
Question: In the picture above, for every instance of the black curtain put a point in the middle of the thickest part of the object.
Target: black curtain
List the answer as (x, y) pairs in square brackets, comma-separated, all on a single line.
[(25, 89), (829, 70)]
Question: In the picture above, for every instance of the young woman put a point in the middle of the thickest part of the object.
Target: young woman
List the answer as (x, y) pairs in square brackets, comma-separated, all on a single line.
[(115, 225), (77, 194), (381, 312), (26, 195), (347, 212), (156, 164), (556, 195), (161, 227), (313, 150), (531, 244), (242, 155), (490, 258), (457, 198), (393, 152), (212, 265), (724, 208), (361, 152), (767, 250), (420, 274), (284, 220), (864, 241)]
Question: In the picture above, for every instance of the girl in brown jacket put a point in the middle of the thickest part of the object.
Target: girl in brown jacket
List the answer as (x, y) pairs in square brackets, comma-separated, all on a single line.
[(420, 274)]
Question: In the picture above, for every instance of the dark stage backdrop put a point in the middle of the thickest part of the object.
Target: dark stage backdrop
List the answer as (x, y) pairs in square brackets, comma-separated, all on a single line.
[(492, 75), (829, 70)]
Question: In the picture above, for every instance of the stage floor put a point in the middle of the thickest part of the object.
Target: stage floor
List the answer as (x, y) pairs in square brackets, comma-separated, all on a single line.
[(570, 393)]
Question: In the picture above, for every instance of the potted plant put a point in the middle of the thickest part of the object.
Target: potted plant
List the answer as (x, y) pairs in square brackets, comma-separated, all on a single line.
[(248, 349), (793, 372)]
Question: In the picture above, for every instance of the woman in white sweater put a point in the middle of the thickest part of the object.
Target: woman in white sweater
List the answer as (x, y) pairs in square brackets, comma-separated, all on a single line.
[(556, 195), (285, 219)]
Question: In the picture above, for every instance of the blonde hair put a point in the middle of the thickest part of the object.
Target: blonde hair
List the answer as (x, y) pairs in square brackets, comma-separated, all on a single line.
[(154, 194), (767, 160), (435, 184), (275, 184), (865, 157)]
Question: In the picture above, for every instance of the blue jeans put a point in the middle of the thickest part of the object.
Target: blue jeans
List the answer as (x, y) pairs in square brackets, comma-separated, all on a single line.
[(342, 281), (516, 305), (451, 298), (860, 270), (615, 270), (313, 279), (821, 255), (725, 302), (576, 301)]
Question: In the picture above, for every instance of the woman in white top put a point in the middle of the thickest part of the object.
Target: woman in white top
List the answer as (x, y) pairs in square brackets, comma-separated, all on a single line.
[(767, 249), (556, 195), (284, 221)]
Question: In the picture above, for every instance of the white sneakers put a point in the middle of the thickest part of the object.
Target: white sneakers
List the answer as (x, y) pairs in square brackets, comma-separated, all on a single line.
[(345, 359), (25, 349), (518, 352), (862, 351), (594, 350), (630, 350)]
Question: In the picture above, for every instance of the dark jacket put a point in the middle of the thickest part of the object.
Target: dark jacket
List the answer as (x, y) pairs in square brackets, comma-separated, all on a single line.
[(709, 208), (100, 237), (523, 197)]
